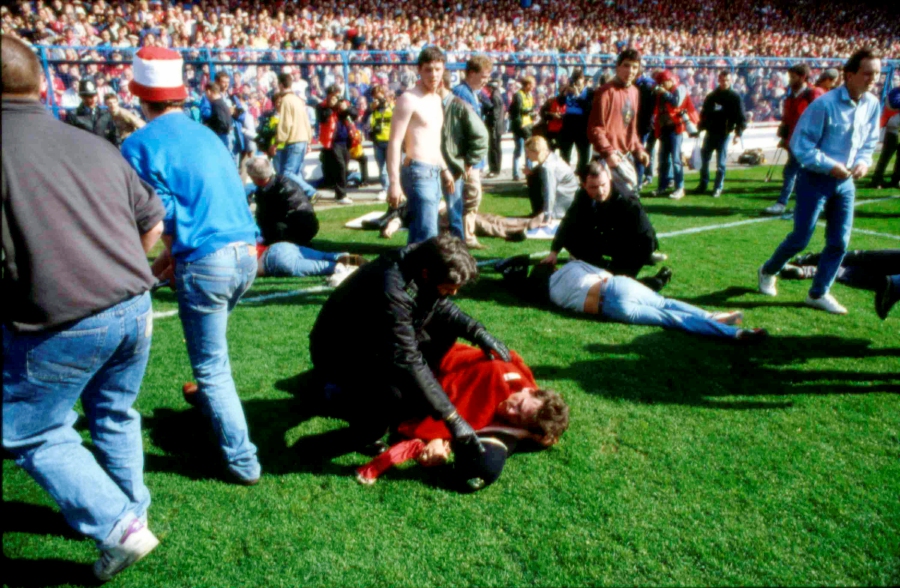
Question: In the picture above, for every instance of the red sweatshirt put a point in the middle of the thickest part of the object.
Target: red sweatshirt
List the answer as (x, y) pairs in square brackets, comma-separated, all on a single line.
[(612, 125), (793, 107), (476, 386)]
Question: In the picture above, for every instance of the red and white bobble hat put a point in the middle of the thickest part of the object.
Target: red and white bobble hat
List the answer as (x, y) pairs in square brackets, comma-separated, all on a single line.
[(158, 75)]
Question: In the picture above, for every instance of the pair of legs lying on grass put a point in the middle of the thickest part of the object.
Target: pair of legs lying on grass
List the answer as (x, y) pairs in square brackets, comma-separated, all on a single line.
[(584, 288)]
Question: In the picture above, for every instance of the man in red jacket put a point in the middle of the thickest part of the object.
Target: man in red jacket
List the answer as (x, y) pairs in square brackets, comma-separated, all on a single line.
[(490, 393), (801, 95)]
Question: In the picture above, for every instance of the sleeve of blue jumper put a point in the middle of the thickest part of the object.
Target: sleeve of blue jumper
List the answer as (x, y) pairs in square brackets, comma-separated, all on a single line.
[(807, 139), (870, 140)]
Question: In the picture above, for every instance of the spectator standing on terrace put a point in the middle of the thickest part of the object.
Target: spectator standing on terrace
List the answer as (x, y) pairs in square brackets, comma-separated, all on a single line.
[(416, 130), (521, 120), (612, 126), (77, 319), (494, 117), (833, 142), (722, 114), (210, 234), (797, 101), (578, 100), (293, 132), (90, 117)]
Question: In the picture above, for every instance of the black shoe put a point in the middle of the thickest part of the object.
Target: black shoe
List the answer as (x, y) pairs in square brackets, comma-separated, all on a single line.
[(516, 237), (663, 276), (699, 190), (886, 298), (806, 259)]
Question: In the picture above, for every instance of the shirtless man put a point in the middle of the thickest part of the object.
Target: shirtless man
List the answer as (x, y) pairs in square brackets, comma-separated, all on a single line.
[(416, 128)]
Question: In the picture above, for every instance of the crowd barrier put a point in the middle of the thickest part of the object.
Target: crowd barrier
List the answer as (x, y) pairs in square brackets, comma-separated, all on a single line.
[(760, 81)]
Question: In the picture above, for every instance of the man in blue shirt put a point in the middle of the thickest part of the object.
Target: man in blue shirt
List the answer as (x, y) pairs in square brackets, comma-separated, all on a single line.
[(833, 142), (478, 71), (209, 234)]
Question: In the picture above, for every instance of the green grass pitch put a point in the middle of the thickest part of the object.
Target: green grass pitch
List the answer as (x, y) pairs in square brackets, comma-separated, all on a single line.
[(688, 461)]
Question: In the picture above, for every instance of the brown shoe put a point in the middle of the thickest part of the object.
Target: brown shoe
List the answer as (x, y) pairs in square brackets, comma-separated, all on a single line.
[(352, 259)]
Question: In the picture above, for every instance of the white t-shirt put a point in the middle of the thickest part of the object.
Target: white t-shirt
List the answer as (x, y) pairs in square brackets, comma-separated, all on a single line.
[(569, 285)]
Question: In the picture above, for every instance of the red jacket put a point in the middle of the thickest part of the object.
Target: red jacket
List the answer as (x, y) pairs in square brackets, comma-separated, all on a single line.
[(673, 113), (328, 120), (793, 107), (476, 386)]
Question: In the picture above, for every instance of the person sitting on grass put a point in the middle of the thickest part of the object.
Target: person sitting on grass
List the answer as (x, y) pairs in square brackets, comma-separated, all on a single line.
[(284, 212), (551, 182), (583, 288), (606, 229), (500, 399)]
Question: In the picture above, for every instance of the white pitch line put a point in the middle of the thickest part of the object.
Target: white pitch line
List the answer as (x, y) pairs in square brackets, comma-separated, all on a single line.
[(691, 231), (877, 234)]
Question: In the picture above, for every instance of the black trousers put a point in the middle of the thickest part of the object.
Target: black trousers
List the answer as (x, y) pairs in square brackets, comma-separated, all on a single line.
[(862, 269), (334, 168), (574, 134), (495, 153), (363, 162), (890, 148)]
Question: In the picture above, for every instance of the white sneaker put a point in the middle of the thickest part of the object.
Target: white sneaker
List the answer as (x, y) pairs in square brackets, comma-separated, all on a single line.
[(776, 208), (766, 283), (826, 303), (381, 196), (717, 194), (341, 273), (137, 541), (677, 194), (657, 257), (344, 200)]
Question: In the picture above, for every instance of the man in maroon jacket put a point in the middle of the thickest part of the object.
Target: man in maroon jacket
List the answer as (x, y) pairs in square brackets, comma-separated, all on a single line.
[(612, 126)]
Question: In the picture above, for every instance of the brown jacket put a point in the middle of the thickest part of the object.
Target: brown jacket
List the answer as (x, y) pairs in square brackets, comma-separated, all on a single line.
[(613, 123), (293, 122)]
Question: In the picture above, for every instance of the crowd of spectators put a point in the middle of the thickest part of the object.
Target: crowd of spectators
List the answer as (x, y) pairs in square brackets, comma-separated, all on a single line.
[(101, 36)]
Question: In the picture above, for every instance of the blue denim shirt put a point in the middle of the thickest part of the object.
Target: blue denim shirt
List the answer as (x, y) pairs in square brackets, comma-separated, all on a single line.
[(836, 130)]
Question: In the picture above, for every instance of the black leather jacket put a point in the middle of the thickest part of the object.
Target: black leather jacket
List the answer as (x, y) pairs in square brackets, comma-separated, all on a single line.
[(284, 213), (380, 333)]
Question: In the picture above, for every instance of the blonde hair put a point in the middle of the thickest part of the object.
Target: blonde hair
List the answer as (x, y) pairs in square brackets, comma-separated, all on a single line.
[(539, 144), (526, 80)]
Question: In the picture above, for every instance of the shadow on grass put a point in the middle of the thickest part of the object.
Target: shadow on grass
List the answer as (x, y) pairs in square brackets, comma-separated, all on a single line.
[(731, 297), (696, 211), (22, 517), (28, 573), (717, 374)]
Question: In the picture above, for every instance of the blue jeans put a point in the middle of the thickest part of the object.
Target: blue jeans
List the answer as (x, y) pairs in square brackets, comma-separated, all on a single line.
[(286, 259), (290, 161), (208, 289), (628, 301), (518, 151), (229, 140), (720, 146), (422, 185), (816, 192), (791, 170), (670, 152), (381, 161), (455, 209), (649, 143), (101, 360)]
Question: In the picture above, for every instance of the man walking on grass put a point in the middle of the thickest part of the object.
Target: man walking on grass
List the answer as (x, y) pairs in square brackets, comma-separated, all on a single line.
[(833, 142)]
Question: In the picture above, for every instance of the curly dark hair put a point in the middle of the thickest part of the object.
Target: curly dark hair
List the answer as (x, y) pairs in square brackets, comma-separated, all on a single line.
[(552, 419), (446, 259), (430, 54), (628, 55)]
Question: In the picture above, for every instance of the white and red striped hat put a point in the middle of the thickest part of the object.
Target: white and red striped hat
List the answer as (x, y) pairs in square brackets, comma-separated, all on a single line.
[(158, 75)]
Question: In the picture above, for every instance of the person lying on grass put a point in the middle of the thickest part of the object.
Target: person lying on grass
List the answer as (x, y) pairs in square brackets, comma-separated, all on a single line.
[(581, 287), (282, 260), (500, 399), (486, 224)]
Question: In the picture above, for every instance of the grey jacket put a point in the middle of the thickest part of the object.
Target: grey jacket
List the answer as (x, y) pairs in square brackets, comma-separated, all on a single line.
[(464, 138), (558, 185)]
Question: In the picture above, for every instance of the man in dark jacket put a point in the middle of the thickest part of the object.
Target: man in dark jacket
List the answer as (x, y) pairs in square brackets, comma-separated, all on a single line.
[(381, 335), (335, 118), (606, 229), (283, 211), (90, 117), (722, 114), (494, 114)]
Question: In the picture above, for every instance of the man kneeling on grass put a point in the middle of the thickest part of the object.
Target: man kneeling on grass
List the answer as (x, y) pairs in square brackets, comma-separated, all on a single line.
[(584, 288), (381, 335), (502, 402)]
